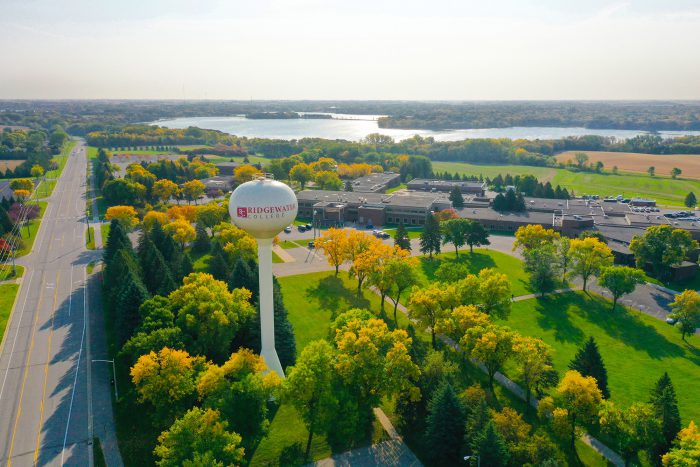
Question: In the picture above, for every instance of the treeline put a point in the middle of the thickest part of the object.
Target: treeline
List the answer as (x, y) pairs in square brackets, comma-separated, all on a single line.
[(33, 147), (649, 116)]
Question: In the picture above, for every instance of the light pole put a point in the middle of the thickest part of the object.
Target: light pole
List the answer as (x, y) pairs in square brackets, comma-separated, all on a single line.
[(114, 372), (478, 459)]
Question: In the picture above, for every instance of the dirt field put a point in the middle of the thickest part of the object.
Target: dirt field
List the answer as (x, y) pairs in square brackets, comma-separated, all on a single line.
[(639, 163), (5, 164)]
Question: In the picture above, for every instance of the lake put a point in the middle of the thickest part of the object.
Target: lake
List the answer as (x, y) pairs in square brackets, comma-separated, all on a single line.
[(356, 127)]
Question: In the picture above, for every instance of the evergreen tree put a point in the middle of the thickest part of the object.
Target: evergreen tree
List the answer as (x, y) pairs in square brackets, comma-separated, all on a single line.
[(285, 342), (202, 243), (131, 294), (690, 200), (348, 186), (122, 262), (499, 203), (186, 266), (5, 221), (157, 276), (663, 399), (245, 276), (116, 240), (401, 239), (218, 266), (445, 426), (491, 447), (431, 237), (588, 362), (457, 198)]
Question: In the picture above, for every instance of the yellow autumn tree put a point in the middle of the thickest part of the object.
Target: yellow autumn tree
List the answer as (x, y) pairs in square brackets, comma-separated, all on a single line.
[(164, 189), (126, 215), (369, 262), (154, 217), (181, 231), (580, 396), (193, 190), (428, 306), (189, 213), (533, 235), (588, 256), (245, 173), (333, 243)]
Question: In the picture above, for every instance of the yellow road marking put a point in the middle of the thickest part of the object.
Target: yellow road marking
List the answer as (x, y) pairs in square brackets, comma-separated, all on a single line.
[(26, 372), (46, 371)]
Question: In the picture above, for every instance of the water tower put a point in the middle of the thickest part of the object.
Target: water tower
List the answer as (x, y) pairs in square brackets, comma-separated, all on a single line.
[(263, 207)]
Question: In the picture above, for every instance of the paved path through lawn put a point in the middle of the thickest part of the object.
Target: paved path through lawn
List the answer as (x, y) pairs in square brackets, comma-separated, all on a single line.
[(519, 392)]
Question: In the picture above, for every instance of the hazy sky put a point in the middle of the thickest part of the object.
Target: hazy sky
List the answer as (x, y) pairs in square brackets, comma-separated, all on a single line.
[(350, 49)]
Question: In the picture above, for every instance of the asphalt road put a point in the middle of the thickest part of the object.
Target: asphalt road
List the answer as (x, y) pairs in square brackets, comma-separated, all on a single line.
[(44, 413)]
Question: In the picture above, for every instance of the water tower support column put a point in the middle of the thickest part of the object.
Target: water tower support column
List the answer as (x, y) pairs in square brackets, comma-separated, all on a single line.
[(267, 315)]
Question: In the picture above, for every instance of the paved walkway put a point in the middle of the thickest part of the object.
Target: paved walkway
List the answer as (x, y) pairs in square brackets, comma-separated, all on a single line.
[(393, 452), (519, 392), (282, 253)]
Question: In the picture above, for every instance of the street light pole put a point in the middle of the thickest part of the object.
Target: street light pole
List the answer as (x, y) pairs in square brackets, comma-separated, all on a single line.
[(114, 372)]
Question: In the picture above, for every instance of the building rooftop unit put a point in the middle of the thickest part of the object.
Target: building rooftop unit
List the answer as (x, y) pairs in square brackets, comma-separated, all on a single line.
[(424, 184)]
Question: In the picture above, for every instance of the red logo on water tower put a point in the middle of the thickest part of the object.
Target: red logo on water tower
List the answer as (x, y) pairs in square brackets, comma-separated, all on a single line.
[(242, 212)]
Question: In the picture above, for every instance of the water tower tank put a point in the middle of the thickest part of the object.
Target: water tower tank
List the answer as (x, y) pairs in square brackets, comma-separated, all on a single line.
[(263, 207)]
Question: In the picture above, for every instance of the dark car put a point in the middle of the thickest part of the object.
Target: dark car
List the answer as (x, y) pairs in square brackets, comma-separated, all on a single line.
[(370, 226), (385, 235), (311, 244), (309, 226), (302, 228)]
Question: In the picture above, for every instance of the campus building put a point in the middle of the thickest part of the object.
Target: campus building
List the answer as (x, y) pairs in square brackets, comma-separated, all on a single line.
[(446, 186), (376, 182)]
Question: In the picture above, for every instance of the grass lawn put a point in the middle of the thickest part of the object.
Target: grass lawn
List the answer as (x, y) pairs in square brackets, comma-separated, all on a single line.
[(289, 244), (30, 235), (663, 189), (8, 292), (45, 189), (481, 259), (90, 238), (413, 232), (252, 159), (636, 348), (90, 267), (276, 258), (104, 230), (6, 272)]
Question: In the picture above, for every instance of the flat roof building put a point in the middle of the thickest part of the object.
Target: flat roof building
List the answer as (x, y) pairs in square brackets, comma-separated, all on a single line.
[(422, 184), (376, 182)]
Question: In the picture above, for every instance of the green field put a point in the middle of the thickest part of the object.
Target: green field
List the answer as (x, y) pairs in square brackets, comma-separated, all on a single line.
[(6, 272), (664, 190), (8, 292), (635, 347)]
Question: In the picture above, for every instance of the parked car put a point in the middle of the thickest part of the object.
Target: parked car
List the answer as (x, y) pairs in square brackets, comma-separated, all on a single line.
[(302, 228), (309, 226), (370, 226), (385, 235), (288, 229), (671, 320), (311, 244)]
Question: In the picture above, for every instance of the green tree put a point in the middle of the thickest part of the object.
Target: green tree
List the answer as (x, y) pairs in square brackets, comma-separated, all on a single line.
[(202, 242), (445, 426), (430, 237), (239, 390), (651, 171), (675, 172), (581, 159), (401, 239), (301, 173), (428, 306), (541, 263), (403, 275), (491, 447), (662, 246), (210, 215), (453, 231), (663, 400), (588, 362), (209, 314), (199, 438), (580, 397), (348, 186), (634, 428), (685, 309), (456, 198), (309, 388), (620, 280), (690, 200), (534, 363), (475, 235), (116, 240), (218, 265), (686, 449)]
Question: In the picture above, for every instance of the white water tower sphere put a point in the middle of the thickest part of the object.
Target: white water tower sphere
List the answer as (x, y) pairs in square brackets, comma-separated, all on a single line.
[(263, 207)]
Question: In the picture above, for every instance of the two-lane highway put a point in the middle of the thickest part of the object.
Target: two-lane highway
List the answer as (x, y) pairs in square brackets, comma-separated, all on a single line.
[(44, 404)]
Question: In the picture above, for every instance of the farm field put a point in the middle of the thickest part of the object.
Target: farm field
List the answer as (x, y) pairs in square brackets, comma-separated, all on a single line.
[(635, 347), (639, 163), (9, 164), (663, 189)]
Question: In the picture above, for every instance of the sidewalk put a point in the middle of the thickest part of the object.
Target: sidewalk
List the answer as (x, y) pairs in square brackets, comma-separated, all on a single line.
[(519, 392), (393, 452)]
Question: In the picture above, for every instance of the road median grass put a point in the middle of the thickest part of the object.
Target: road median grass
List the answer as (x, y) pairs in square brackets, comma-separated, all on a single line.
[(8, 293), (30, 230), (90, 238), (61, 159)]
